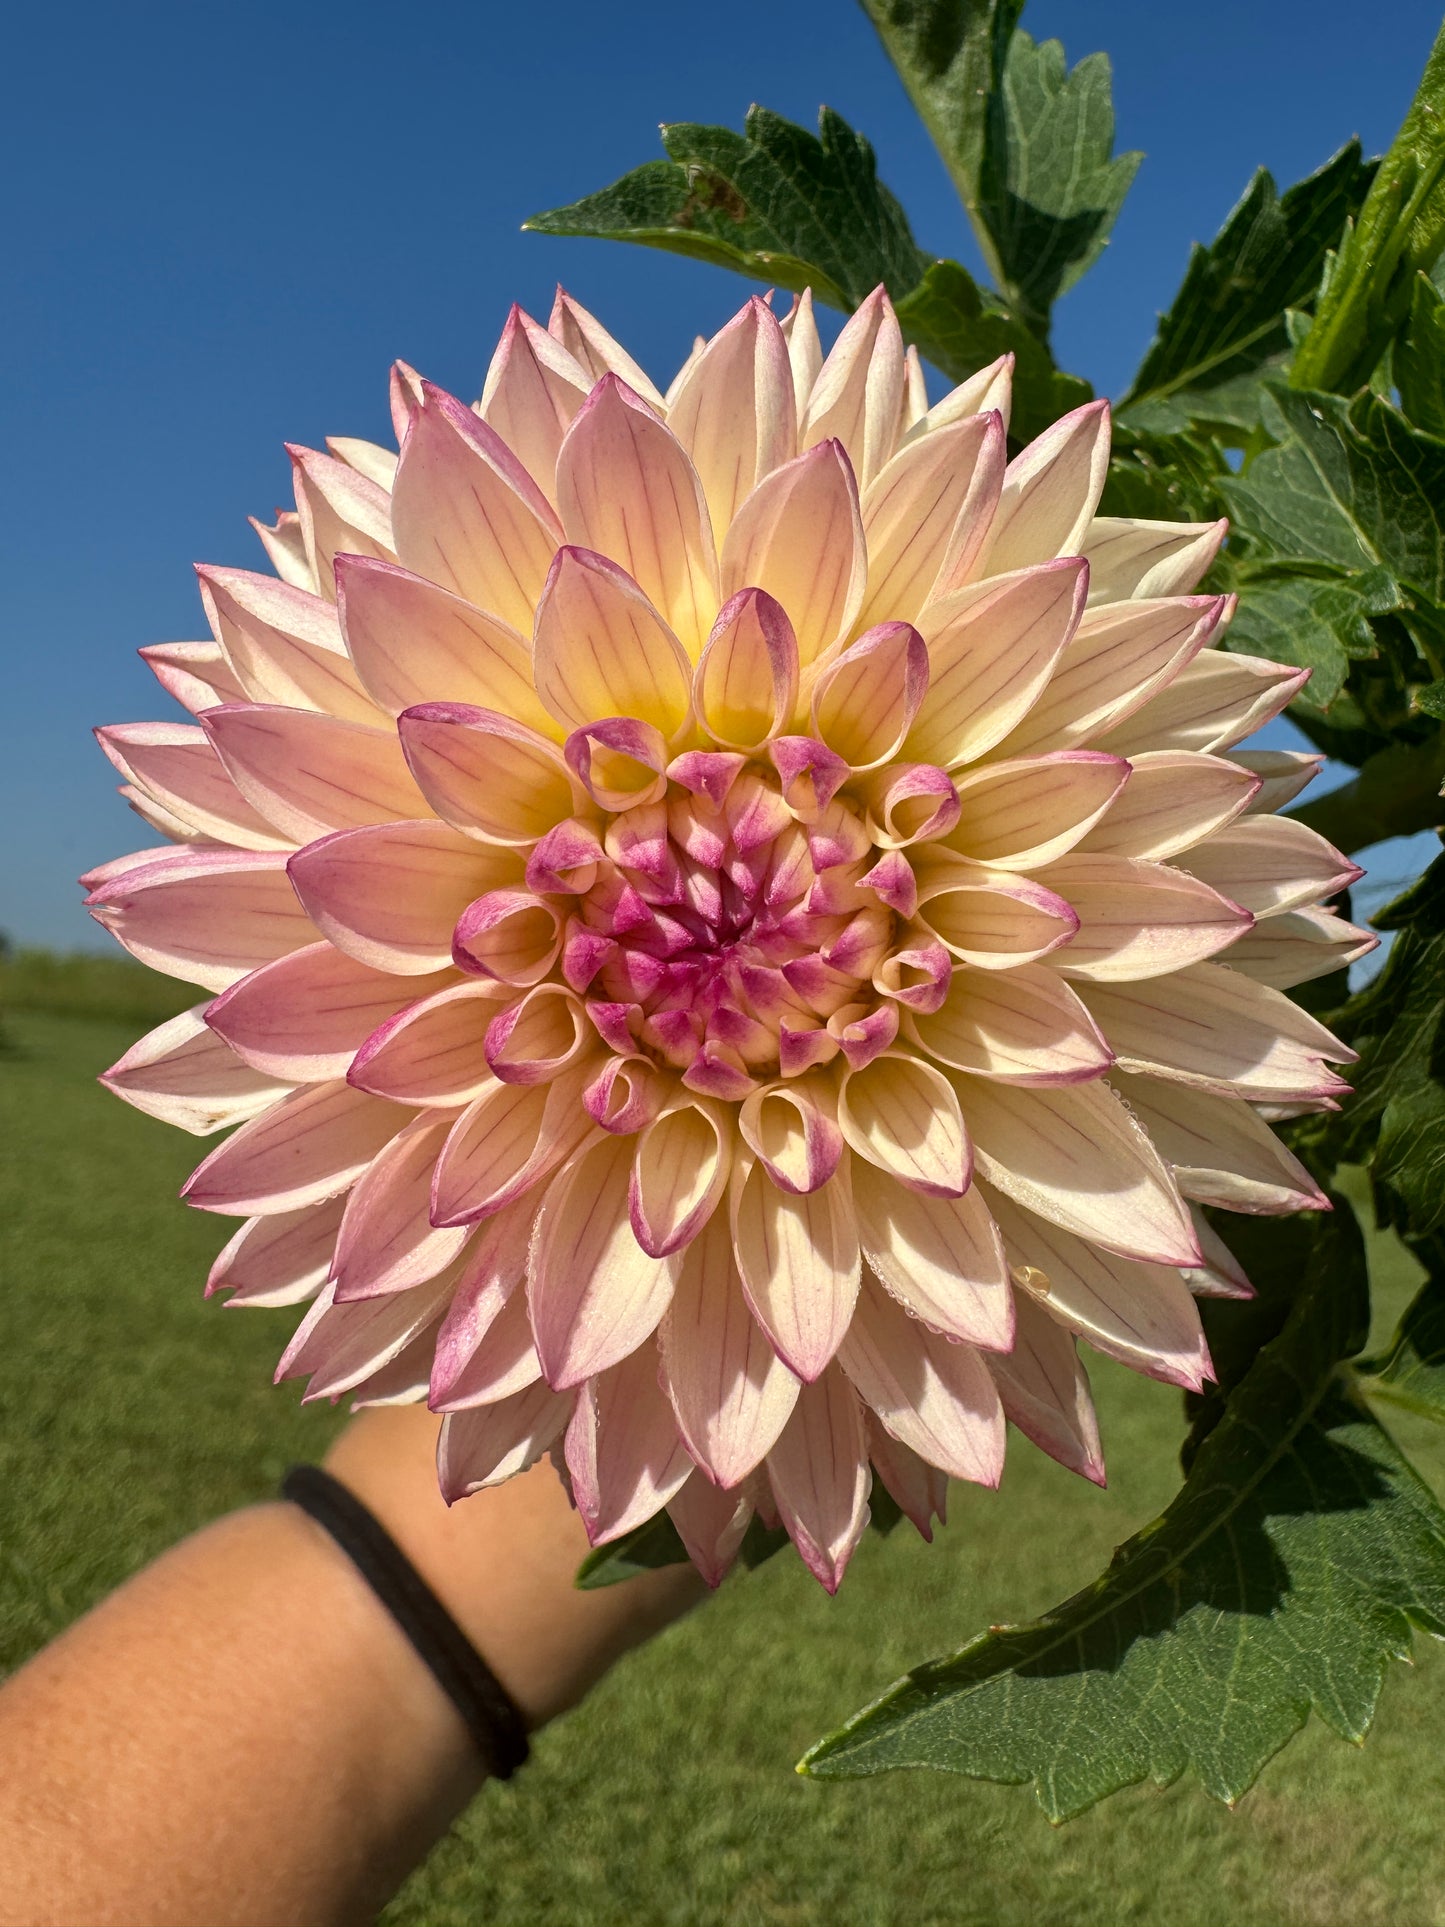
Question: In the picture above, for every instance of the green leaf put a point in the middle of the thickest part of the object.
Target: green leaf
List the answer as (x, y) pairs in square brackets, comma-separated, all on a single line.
[(1291, 1566), (1320, 622), (960, 331), (1418, 362), (1028, 143), (1412, 1372), (652, 1544), (774, 202), (1350, 485), (1367, 288), (1226, 326)]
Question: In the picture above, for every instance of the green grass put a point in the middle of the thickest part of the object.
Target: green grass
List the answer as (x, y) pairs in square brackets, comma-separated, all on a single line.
[(86, 983), (132, 1411)]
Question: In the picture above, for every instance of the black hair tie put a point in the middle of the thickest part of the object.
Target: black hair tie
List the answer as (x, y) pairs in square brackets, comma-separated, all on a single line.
[(487, 1708)]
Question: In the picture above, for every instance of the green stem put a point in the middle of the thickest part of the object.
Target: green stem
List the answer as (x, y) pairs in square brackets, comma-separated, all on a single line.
[(1399, 233), (1396, 793)]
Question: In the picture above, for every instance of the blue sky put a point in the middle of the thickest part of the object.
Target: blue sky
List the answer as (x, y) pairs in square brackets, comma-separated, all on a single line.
[(224, 222)]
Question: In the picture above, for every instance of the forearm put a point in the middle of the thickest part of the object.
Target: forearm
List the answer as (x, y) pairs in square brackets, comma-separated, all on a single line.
[(243, 1735)]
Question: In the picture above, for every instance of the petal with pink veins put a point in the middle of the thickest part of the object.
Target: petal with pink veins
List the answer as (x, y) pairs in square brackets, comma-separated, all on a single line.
[(413, 642), (195, 674), (1050, 492), (468, 516), (1214, 702), (390, 894), (1138, 919), (595, 1294), (1222, 1151), (798, 1260), (1174, 798), (306, 1016), (627, 490), (991, 649), (918, 1489), (1282, 774), (1022, 1026), (602, 649), (928, 513), (503, 1360), (711, 1524), (387, 1242), (489, 1444), (1300, 946), (485, 773), (733, 410), (278, 1261), (506, 1140), (792, 1129), (865, 701), (1045, 1391), (311, 1146), (857, 397), (991, 388), (931, 1393), (476, 1355), (746, 683), (818, 1471), (311, 774), (902, 1115), (1140, 1313), (799, 536), (340, 1347), (285, 548), (680, 1173), (432, 1051), (593, 348), (341, 513), (174, 764), (1075, 1156), (282, 645), (207, 916), (989, 918), (623, 1451), (1025, 812), (534, 388), (941, 1258), (182, 1073), (1133, 559), (1270, 864)]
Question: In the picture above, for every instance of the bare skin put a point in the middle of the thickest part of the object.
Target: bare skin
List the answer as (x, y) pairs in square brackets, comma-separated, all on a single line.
[(241, 1736)]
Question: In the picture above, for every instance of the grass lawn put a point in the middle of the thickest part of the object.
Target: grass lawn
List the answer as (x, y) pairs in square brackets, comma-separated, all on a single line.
[(133, 1411)]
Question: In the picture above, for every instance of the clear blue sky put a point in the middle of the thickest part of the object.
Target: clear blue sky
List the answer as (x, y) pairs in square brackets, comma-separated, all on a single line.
[(224, 222)]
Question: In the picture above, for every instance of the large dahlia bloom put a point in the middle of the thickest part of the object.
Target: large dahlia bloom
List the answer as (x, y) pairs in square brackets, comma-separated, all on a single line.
[(732, 926)]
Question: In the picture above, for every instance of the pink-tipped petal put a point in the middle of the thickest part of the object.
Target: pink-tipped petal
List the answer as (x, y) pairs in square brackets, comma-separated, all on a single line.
[(818, 1471)]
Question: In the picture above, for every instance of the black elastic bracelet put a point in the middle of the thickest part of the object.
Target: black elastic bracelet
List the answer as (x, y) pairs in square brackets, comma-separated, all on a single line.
[(486, 1707)]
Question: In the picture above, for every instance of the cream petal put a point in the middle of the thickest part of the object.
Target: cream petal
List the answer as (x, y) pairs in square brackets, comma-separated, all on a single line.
[(310, 774), (1219, 1273), (1300, 946), (1139, 1313), (1031, 809), (595, 1294), (991, 388), (509, 935), (532, 392), (390, 895), (603, 650), (505, 1141), (589, 344), (989, 918), (413, 643), (733, 410), (278, 1261), (902, 1115), (680, 1173), (1021, 1026), (541, 1035), (805, 348), (857, 398), (195, 674), (306, 1016), (1138, 919), (818, 1471), (206, 916), (918, 1489), (1075, 1156), (387, 1242), (932, 1394), (1129, 558), (489, 1444), (486, 774), (791, 1128), (928, 513), (342, 513), (432, 1051), (182, 1073), (1282, 774), (1222, 1151), (1050, 492), (626, 489), (369, 459), (502, 1359), (798, 1260), (799, 536), (1214, 702), (283, 645), (1216, 1029), (174, 765), (468, 516), (285, 548), (341, 1347), (941, 1258), (711, 1524), (746, 683), (865, 701), (312, 1145), (730, 1391), (623, 1452), (1270, 864), (1119, 657), (1045, 1391), (1173, 799), (991, 649)]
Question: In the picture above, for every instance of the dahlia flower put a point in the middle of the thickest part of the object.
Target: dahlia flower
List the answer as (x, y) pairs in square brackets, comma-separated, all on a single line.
[(732, 926)]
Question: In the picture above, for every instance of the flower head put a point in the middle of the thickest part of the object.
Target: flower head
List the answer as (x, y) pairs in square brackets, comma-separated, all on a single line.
[(733, 927)]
